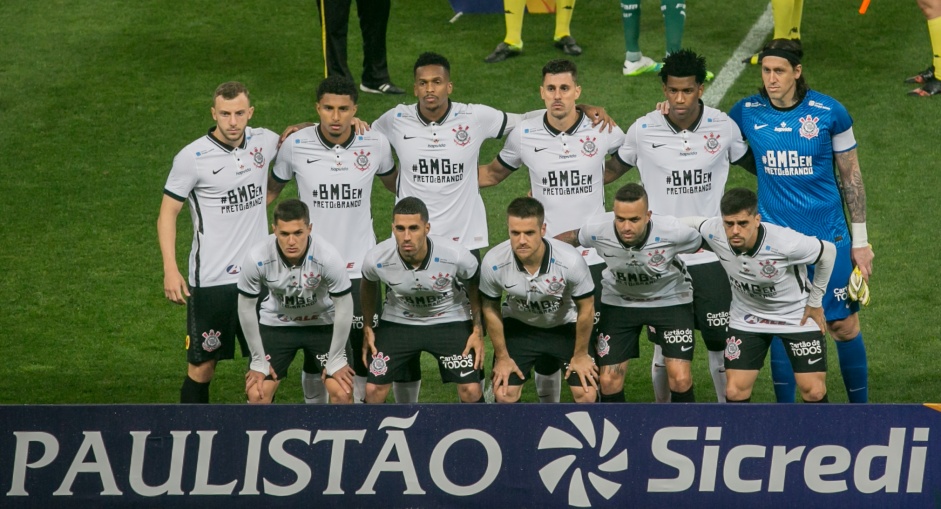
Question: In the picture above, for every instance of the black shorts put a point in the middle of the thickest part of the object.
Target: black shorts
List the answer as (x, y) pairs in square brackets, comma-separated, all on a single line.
[(617, 340), (712, 296), (212, 324), (747, 350), (282, 343), (398, 344), (527, 345)]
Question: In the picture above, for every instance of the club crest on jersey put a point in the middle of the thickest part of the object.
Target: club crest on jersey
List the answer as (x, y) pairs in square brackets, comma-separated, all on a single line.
[(379, 365), (589, 148), (257, 157), (211, 340), (603, 347), (362, 160), (768, 268), (809, 127), (442, 281), (312, 280), (556, 285), (461, 136), (712, 143), (656, 258), (732, 350)]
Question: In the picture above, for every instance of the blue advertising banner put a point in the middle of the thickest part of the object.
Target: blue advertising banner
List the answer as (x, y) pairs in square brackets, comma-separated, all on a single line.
[(445, 455)]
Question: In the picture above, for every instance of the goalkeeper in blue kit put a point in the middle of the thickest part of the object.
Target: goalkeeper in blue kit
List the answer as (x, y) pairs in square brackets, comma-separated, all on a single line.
[(798, 136)]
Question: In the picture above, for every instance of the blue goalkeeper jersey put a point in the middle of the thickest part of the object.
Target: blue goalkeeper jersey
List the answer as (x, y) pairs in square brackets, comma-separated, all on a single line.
[(797, 182)]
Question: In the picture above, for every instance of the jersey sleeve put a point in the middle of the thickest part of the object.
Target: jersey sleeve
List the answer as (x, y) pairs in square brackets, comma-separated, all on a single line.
[(737, 146), (804, 250), (182, 177), (489, 286), (614, 139), (467, 265), (383, 124), (840, 119), (580, 277), (843, 142), (283, 170), (688, 239), (493, 122), (386, 163), (252, 275), (736, 115), (588, 232), (370, 271), (627, 153), (510, 156), (334, 271)]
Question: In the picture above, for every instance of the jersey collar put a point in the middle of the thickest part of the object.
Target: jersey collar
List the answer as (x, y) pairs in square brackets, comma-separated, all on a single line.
[(643, 241), (758, 242), (544, 266), (223, 145), (695, 127), (425, 121), (424, 263), (570, 131), (284, 259), (329, 144)]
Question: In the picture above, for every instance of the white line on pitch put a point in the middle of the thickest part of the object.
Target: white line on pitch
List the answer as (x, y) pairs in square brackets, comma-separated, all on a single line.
[(734, 66)]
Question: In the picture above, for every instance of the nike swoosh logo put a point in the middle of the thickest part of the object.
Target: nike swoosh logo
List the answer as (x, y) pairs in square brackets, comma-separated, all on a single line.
[(465, 373), (814, 361), (408, 137), (762, 126), (685, 348), (217, 171), (857, 389), (606, 255), (539, 149), (394, 284), (508, 286), (309, 161), (656, 145)]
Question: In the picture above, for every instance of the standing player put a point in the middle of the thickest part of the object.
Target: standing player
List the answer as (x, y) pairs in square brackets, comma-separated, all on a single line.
[(335, 168), (800, 135), (512, 44), (224, 177), (767, 267), (565, 157), (431, 305), (308, 306), (683, 158), (549, 308), (931, 85), (787, 23), (674, 20), (646, 283)]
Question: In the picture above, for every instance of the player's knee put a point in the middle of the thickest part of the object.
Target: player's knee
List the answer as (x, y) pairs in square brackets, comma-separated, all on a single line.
[(680, 382), (509, 397), (377, 393), (611, 382), (844, 330), (814, 393), (202, 372), (734, 392), (582, 396), (469, 393)]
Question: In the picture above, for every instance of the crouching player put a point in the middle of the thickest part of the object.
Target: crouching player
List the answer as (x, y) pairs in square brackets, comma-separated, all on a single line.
[(549, 310), (771, 296), (308, 307)]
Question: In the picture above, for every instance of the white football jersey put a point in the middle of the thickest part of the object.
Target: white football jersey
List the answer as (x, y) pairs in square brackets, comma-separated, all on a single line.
[(438, 164), (226, 189), (647, 276), (298, 295), (566, 170), (684, 170), (769, 282), (430, 294), (546, 299), (335, 181)]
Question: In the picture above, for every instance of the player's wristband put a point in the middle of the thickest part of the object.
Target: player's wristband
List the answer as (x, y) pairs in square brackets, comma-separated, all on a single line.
[(860, 238)]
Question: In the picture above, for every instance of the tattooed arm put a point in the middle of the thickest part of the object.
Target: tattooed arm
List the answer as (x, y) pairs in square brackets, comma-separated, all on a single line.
[(854, 194)]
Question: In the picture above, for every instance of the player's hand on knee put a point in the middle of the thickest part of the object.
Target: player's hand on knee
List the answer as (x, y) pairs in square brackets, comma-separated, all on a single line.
[(815, 314), (502, 368), (175, 287), (343, 377), (475, 344), (254, 385), (585, 367)]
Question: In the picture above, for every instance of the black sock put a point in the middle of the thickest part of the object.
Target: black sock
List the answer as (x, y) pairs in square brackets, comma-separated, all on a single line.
[(824, 399), (617, 397), (683, 397), (193, 391), (746, 400)]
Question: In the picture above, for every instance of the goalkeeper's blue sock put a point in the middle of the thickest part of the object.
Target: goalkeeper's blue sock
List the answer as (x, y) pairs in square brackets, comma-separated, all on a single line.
[(855, 368), (782, 374)]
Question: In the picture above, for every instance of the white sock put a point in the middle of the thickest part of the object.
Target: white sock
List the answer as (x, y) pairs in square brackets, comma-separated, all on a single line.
[(314, 391), (549, 387), (359, 389), (717, 370), (406, 392), (658, 375)]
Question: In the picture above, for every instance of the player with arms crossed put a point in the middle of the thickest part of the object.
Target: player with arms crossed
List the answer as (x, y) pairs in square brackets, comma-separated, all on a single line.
[(549, 308), (565, 157), (308, 307), (646, 283), (223, 176), (767, 268), (799, 135), (335, 169), (431, 305), (683, 157)]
